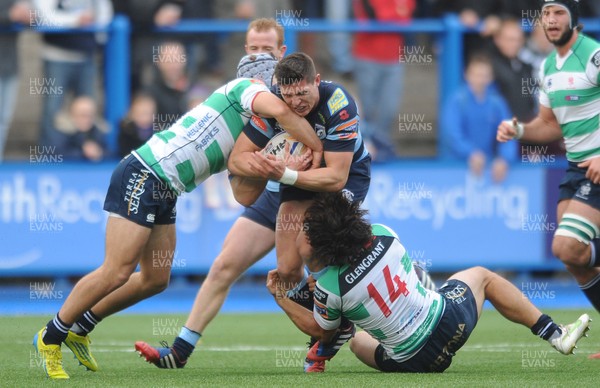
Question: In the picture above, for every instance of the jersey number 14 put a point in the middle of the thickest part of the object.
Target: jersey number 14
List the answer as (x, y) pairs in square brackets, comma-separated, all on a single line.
[(395, 288)]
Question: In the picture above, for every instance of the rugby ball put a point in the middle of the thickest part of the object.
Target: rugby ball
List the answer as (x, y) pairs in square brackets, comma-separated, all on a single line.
[(276, 146)]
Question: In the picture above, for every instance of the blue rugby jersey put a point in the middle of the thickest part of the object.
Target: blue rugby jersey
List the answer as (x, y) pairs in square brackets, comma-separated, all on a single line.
[(335, 120)]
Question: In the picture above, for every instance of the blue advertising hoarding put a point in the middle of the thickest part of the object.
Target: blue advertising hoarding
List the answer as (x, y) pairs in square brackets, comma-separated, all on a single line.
[(52, 222)]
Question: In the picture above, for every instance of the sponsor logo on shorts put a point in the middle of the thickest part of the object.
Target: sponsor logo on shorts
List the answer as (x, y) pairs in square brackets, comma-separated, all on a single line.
[(349, 195), (134, 190), (584, 191), (150, 218), (449, 349), (457, 295)]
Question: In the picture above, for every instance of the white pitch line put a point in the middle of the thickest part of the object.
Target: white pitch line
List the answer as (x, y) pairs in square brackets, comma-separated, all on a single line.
[(127, 347)]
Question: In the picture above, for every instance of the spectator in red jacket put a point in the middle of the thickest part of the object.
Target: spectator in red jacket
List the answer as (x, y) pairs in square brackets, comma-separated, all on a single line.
[(379, 72)]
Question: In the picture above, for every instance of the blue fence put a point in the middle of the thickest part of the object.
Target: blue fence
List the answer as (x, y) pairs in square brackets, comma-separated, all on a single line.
[(52, 222)]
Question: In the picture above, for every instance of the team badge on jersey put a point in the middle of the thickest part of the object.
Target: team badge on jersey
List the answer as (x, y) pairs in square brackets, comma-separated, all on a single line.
[(596, 59), (320, 130), (337, 101)]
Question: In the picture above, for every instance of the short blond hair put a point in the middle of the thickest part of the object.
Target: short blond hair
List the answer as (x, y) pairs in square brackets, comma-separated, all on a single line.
[(266, 24)]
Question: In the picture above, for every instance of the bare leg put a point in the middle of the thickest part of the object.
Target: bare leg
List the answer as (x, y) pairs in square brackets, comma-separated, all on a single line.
[(120, 261), (505, 297), (363, 346), (153, 278), (245, 244), (290, 220)]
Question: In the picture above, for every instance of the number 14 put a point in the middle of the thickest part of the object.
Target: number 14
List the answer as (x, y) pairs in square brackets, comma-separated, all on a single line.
[(395, 287)]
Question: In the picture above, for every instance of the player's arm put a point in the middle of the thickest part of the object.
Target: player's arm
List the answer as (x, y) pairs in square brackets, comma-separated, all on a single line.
[(246, 187), (300, 316), (246, 190), (270, 106), (543, 129), (333, 177), (241, 154)]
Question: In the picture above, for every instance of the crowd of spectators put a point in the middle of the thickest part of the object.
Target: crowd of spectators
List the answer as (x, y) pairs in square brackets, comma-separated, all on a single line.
[(169, 72)]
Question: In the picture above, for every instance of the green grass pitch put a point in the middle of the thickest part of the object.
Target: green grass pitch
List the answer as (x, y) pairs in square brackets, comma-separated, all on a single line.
[(266, 350)]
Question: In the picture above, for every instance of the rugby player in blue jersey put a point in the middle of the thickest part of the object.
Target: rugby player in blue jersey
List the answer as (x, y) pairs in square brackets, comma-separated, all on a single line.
[(332, 113)]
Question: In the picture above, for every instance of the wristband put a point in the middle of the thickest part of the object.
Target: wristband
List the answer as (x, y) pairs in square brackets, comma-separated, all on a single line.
[(289, 177), (520, 129)]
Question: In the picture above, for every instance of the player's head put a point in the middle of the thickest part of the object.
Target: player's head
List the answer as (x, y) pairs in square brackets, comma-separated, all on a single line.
[(258, 66), (299, 82), (265, 35), (336, 229), (560, 19)]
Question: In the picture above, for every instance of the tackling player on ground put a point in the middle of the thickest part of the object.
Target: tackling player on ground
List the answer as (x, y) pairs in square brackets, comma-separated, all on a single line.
[(370, 280), (570, 108)]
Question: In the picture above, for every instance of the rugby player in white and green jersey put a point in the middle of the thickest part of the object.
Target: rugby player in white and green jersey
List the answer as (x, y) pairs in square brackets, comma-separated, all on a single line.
[(370, 280), (570, 108), (199, 143)]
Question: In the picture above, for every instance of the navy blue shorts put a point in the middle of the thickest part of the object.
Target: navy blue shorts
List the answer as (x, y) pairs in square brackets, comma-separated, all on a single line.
[(576, 186), (137, 195), (264, 210), (453, 330), (356, 188)]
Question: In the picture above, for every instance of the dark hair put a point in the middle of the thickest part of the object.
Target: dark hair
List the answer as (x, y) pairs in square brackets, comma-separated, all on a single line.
[(294, 68), (336, 229)]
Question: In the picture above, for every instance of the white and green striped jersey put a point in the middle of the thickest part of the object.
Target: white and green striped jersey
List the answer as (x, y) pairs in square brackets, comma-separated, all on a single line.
[(569, 85), (382, 294), (199, 143)]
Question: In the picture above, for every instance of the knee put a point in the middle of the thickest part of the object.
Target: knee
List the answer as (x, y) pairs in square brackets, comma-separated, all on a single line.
[(223, 270), (155, 284), (356, 342), (115, 277), (482, 272), (570, 251)]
